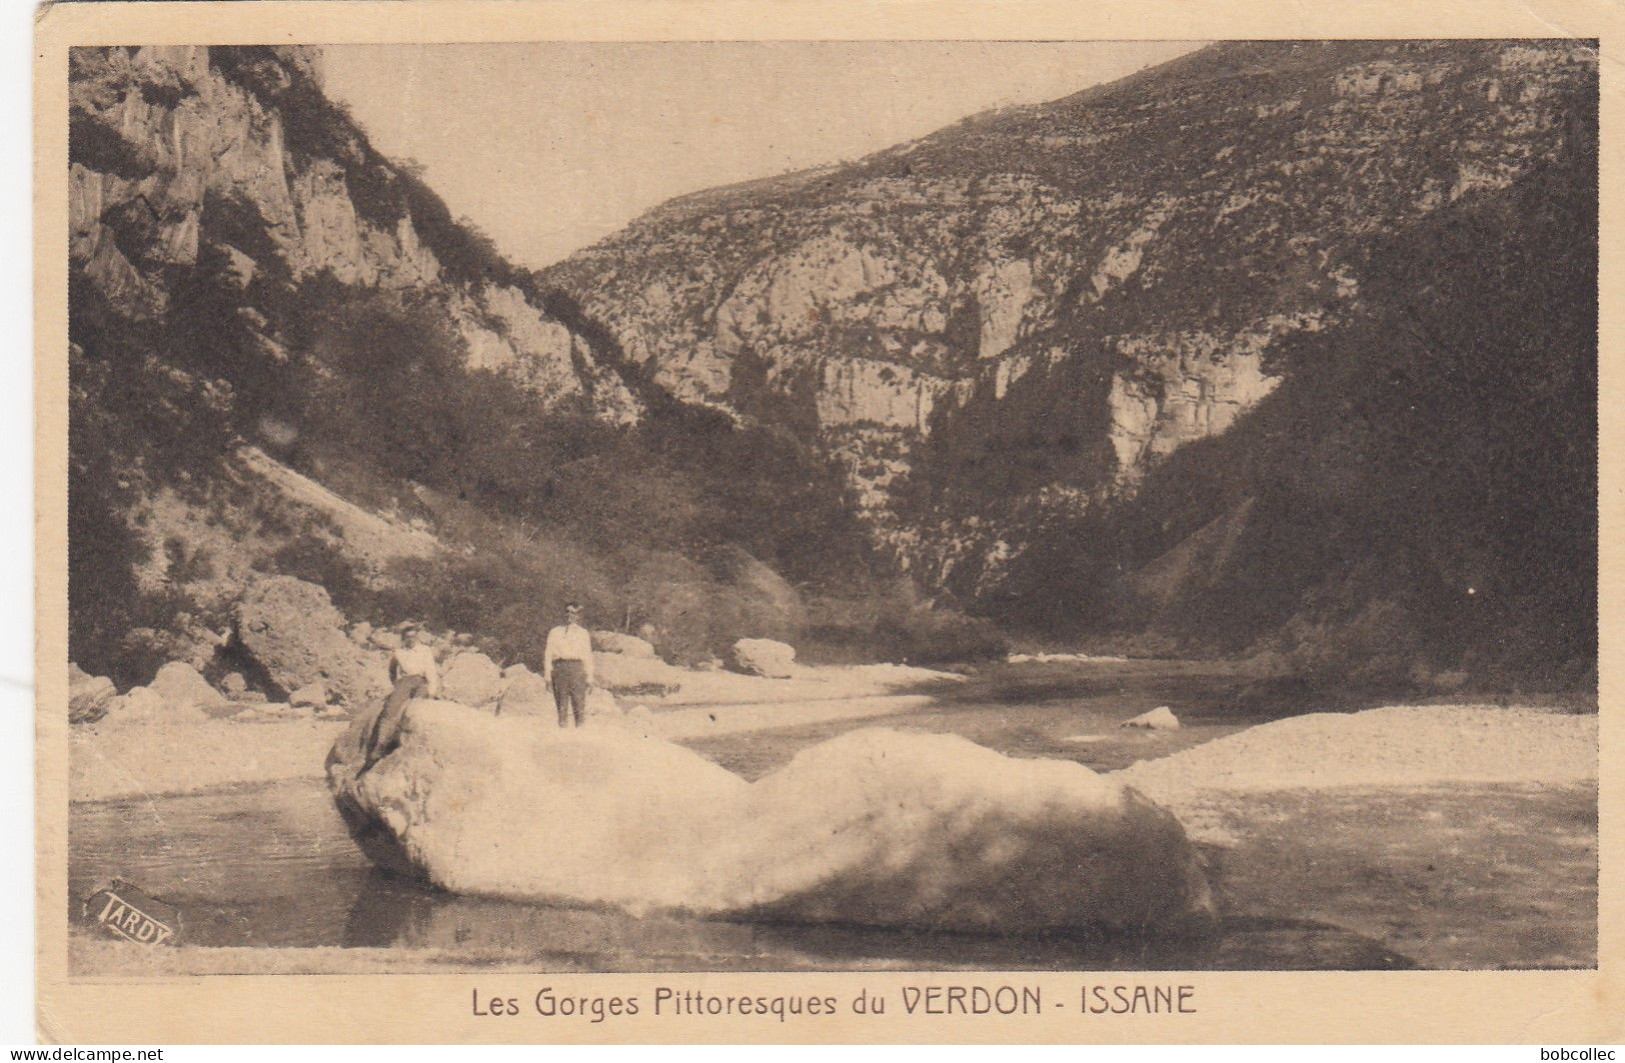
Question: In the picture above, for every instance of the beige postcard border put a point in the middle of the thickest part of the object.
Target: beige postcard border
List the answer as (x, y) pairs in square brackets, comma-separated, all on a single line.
[(1425, 1007)]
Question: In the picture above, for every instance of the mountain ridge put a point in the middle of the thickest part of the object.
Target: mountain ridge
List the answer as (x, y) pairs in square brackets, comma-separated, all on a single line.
[(1008, 324)]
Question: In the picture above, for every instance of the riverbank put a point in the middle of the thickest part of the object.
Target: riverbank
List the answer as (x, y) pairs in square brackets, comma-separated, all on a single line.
[(117, 757)]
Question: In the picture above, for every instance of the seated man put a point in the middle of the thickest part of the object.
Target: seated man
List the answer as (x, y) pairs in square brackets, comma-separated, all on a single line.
[(413, 670)]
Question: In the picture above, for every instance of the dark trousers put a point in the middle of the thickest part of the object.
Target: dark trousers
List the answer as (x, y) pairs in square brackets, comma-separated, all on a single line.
[(384, 734), (570, 691)]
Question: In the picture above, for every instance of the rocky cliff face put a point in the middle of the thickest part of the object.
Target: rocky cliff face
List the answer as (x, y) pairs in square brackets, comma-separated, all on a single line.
[(232, 158), (1116, 272)]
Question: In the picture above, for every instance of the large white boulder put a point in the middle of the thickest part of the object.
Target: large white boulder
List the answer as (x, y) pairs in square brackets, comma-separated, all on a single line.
[(764, 657), (876, 827)]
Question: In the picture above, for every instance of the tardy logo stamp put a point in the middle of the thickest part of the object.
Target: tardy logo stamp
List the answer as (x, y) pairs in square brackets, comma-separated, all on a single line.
[(129, 913)]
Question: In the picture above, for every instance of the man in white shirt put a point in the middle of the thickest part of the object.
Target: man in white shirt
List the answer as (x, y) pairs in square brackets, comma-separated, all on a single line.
[(413, 658), (567, 666)]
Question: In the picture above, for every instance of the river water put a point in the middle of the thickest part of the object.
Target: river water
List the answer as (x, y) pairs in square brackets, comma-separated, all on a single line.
[(271, 866)]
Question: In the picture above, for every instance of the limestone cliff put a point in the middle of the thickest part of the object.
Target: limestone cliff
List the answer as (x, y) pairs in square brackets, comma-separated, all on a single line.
[(191, 158)]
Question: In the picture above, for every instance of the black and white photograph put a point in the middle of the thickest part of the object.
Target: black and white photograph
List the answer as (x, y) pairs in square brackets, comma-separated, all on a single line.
[(722, 506)]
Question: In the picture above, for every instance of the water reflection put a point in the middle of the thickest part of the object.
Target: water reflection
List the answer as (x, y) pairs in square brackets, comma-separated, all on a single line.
[(393, 913)]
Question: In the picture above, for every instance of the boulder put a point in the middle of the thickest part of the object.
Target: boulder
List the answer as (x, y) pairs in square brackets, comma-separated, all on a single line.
[(180, 684), (360, 633), (876, 827), (89, 696), (1160, 718), (145, 705), (310, 696), (524, 694), (291, 629), (471, 679), (616, 642), (636, 675), (764, 657), (234, 685)]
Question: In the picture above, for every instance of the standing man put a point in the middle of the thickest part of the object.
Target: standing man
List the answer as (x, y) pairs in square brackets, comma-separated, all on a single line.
[(567, 666)]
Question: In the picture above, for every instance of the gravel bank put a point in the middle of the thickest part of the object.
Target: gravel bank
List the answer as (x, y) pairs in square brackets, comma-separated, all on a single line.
[(1395, 746), (111, 760)]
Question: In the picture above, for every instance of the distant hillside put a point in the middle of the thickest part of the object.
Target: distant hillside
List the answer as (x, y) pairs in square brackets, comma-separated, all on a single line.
[(1075, 358)]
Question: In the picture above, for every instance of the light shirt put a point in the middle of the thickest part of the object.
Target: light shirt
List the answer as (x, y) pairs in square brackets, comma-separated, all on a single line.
[(567, 642), (418, 660)]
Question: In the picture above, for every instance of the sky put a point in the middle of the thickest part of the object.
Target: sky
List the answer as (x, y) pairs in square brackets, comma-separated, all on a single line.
[(550, 146)]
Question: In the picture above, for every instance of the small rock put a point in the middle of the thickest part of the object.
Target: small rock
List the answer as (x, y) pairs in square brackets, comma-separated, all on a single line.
[(764, 657), (89, 696), (181, 685), (1450, 681), (1160, 718), (234, 685), (146, 705), (649, 676), (386, 640), (616, 642), (311, 695), (361, 633)]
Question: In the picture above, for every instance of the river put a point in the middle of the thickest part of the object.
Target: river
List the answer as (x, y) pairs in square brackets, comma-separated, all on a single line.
[(271, 866)]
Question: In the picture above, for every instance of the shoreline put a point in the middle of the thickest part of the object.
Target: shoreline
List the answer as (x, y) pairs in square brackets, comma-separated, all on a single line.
[(112, 760)]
